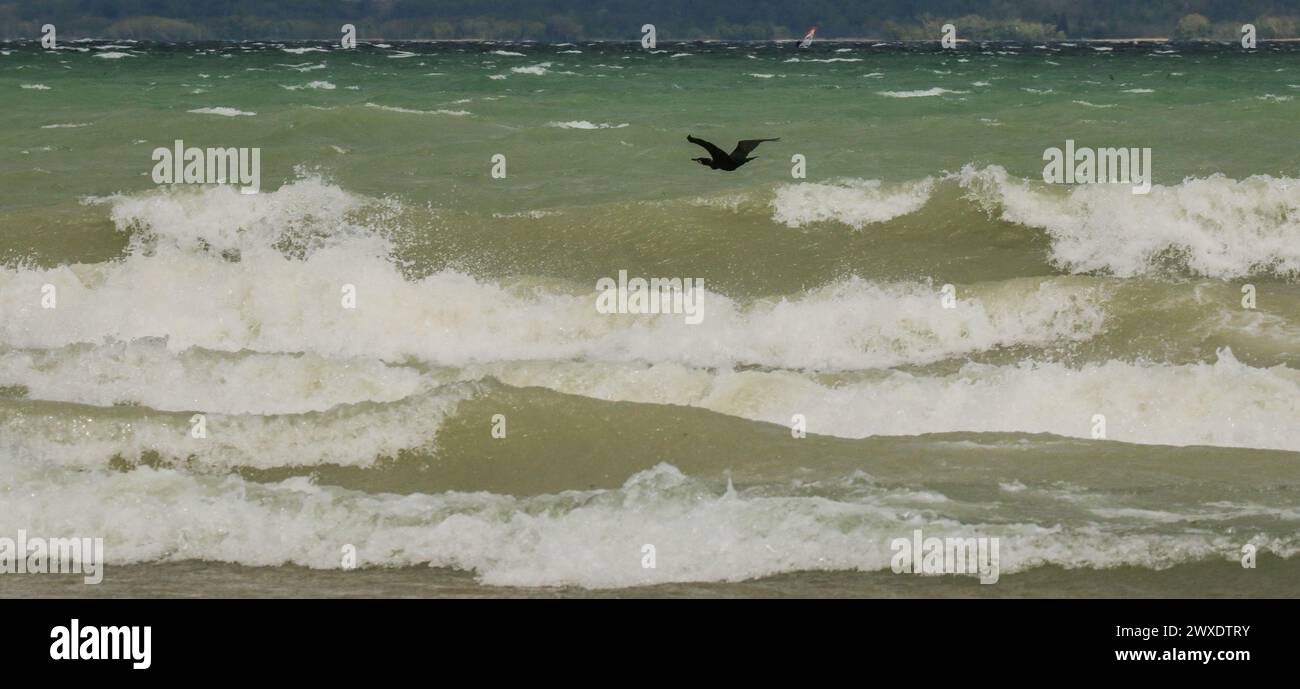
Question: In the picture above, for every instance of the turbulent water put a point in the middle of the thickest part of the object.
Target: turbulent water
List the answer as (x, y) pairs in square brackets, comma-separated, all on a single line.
[(475, 296)]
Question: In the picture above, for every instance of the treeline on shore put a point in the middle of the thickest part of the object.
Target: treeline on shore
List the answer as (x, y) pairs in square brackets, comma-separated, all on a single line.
[(561, 20)]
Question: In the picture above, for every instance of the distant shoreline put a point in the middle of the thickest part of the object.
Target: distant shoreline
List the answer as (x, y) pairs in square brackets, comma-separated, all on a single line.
[(792, 39), (1140, 39)]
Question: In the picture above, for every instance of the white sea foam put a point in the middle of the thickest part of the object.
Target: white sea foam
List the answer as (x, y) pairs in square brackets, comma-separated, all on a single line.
[(592, 538), (315, 85), (538, 69), (853, 202), (411, 111), (1225, 403), (584, 124), (828, 59), (147, 373), (346, 435), (1213, 226), (296, 309), (223, 111), (297, 245), (936, 91), (304, 67)]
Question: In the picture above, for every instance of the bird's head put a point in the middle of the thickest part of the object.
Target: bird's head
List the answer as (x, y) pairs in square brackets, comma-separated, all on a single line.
[(706, 162)]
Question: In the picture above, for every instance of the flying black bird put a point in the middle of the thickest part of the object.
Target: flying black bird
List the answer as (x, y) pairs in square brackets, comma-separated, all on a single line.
[(721, 160)]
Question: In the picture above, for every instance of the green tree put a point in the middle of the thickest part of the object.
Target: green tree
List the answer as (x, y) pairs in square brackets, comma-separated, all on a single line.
[(1193, 26)]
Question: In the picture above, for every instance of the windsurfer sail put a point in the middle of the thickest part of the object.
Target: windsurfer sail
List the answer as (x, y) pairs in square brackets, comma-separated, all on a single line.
[(808, 38)]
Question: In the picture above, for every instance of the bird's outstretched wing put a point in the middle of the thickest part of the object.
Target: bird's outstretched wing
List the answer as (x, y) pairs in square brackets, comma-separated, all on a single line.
[(744, 148), (715, 152)]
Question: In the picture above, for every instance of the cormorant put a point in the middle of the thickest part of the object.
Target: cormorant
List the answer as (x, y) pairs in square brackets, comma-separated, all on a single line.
[(720, 159)]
